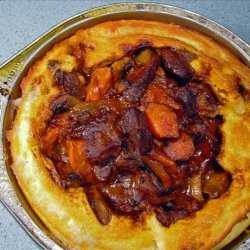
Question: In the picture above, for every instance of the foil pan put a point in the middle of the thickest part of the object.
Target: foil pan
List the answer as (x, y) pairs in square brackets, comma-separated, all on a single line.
[(16, 67)]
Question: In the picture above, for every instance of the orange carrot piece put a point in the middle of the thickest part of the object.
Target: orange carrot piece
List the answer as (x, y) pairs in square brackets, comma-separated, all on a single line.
[(100, 84), (180, 149), (78, 160), (162, 121)]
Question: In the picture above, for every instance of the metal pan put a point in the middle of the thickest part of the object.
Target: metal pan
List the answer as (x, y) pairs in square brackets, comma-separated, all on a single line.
[(16, 67)]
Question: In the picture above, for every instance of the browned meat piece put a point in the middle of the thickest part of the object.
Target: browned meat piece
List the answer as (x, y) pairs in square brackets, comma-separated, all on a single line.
[(134, 126), (197, 131), (166, 218), (159, 171), (73, 181), (216, 183), (100, 84), (139, 78), (52, 144), (128, 160), (102, 173), (135, 192), (162, 121), (187, 97), (97, 126), (176, 63), (144, 73), (149, 185), (206, 101), (180, 149), (137, 140), (125, 195), (99, 205), (63, 103), (102, 142), (140, 75), (196, 99), (153, 191), (203, 152), (87, 111), (188, 203), (70, 83)]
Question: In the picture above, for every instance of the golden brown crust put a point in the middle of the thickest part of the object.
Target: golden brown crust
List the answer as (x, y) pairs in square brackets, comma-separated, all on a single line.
[(67, 213)]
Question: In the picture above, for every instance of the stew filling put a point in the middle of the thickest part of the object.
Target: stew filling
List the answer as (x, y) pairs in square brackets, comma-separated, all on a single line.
[(140, 134)]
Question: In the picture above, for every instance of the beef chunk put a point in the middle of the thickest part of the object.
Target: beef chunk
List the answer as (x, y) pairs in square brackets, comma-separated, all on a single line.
[(125, 195), (187, 97), (176, 63), (128, 160), (102, 173), (70, 83), (102, 138), (166, 218), (197, 131), (206, 101), (102, 142), (185, 202), (139, 78), (63, 103), (134, 125), (50, 137)]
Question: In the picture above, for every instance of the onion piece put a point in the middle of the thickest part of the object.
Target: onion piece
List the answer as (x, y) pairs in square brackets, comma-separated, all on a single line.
[(194, 187)]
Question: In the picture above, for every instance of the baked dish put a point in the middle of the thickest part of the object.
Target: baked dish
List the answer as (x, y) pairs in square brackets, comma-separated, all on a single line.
[(135, 135)]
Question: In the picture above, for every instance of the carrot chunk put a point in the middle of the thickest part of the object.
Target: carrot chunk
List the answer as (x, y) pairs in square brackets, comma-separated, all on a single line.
[(162, 121), (100, 84), (78, 160), (180, 149), (49, 140)]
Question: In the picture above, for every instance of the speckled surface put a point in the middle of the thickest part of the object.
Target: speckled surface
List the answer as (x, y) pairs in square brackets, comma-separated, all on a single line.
[(23, 21)]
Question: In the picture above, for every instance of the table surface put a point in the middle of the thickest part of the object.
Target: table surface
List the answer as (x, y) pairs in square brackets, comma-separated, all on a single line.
[(23, 21)]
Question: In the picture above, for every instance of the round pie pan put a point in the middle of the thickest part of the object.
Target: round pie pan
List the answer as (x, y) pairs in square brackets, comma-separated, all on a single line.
[(16, 67)]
